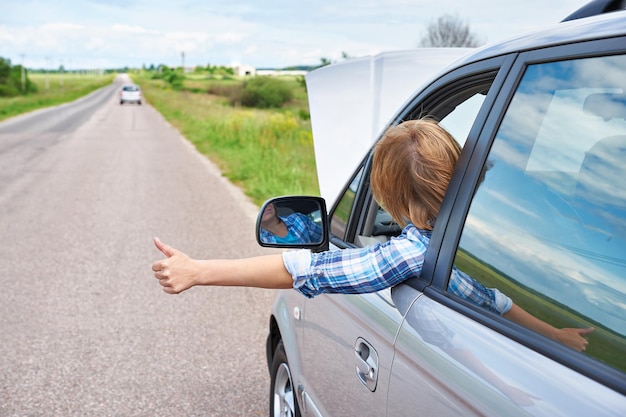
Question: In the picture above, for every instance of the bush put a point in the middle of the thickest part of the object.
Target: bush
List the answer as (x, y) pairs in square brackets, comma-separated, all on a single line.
[(11, 80), (172, 77), (265, 92), (175, 79), (8, 91)]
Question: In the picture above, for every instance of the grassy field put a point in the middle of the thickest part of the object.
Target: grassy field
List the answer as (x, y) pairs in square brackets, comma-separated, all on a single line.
[(61, 88), (265, 152)]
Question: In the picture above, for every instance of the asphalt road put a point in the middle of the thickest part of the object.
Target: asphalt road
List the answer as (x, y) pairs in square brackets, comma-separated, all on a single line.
[(85, 329)]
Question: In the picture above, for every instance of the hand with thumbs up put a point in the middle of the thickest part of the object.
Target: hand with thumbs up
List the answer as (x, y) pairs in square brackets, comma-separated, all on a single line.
[(178, 272)]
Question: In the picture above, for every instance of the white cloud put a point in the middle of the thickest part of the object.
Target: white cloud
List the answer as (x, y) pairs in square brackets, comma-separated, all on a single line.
[(271, 33)]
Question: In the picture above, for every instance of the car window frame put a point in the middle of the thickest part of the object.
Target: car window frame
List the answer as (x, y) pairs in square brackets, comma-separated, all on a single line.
[(455, 208), (437, 92)]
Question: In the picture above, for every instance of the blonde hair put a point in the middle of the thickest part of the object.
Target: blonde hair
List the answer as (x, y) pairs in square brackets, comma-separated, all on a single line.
[(411, 169)]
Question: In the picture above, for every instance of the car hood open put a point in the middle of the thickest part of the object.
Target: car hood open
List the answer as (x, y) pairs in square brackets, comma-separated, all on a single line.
[(353, 101)]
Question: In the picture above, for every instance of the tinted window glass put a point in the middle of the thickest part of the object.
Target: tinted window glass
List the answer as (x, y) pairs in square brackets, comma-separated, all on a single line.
[(548, 224), (341, 213)]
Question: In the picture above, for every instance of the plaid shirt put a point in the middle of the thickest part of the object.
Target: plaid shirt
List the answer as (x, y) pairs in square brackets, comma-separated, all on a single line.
[(300, 229), (374, 268)]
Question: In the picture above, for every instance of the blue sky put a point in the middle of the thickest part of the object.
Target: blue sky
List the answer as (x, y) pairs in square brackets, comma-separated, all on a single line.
[(269, 33)]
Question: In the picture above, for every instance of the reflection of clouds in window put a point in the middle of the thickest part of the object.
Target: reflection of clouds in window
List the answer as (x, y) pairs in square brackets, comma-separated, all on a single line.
[(551, 212), (525, 117), (609, 306), (522, 122), (508, 154), (549, 107), (496, 196), (568, 132), (575, 278), (601, 179), (510, 229), (601, 72)]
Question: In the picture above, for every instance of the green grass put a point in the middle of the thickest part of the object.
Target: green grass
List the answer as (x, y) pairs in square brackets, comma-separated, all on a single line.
[(265, 152), (61, 89)]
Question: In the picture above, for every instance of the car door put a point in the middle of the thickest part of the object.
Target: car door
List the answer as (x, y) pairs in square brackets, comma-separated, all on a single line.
[(348, 340), (347, 343), (537, 209)]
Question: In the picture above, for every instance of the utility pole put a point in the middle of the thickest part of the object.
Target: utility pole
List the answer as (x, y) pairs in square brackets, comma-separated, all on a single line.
[(182, 55), (23, 76), (47, 73), (61, 72)]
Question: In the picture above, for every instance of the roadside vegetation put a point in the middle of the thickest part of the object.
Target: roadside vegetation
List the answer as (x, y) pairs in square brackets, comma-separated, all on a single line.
[(256, 129), (44, 89)]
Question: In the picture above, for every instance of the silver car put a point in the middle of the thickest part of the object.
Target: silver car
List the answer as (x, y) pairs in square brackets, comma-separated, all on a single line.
[(130, 93), (536, 208)]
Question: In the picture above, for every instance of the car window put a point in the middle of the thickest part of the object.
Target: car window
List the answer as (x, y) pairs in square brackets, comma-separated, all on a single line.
[(341, 213), (547, 226), (377, 225), (460, 120)]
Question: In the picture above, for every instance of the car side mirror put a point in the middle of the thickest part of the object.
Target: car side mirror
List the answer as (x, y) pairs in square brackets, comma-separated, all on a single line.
[(293, 222)]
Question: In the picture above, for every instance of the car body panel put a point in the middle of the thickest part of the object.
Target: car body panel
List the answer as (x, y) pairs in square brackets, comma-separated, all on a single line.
[(485, 372), (351, 103), (330, 344), (287, 313), (595, 27)]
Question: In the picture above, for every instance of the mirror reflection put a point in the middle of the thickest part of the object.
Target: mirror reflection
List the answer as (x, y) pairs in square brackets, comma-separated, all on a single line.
[(291, 222)]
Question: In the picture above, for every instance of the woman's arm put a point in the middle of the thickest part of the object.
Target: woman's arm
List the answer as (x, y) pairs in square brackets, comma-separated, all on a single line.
[(574, 338), (178, 272)]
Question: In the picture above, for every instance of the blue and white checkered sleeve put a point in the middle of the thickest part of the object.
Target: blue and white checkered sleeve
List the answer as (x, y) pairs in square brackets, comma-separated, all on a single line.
[(357, 270), (466, 287), (298, 264)]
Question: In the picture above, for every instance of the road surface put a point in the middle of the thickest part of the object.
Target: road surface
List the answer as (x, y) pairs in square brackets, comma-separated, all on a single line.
[(85, 328)]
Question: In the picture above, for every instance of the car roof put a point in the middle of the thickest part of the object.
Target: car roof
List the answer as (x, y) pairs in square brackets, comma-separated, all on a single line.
[(351, 102), (596, 27)]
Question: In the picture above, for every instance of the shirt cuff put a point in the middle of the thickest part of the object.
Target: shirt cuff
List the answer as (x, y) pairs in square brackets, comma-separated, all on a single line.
[(502, 303), (298, 264)]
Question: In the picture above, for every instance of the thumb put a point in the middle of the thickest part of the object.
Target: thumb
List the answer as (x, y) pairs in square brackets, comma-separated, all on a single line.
[(586, 331), (165, 249)]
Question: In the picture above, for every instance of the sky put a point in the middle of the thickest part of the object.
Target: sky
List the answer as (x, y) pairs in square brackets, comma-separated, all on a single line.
[(89, 34)]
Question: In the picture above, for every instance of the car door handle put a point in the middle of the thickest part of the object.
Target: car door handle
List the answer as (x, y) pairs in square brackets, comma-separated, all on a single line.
[(366, 364)]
